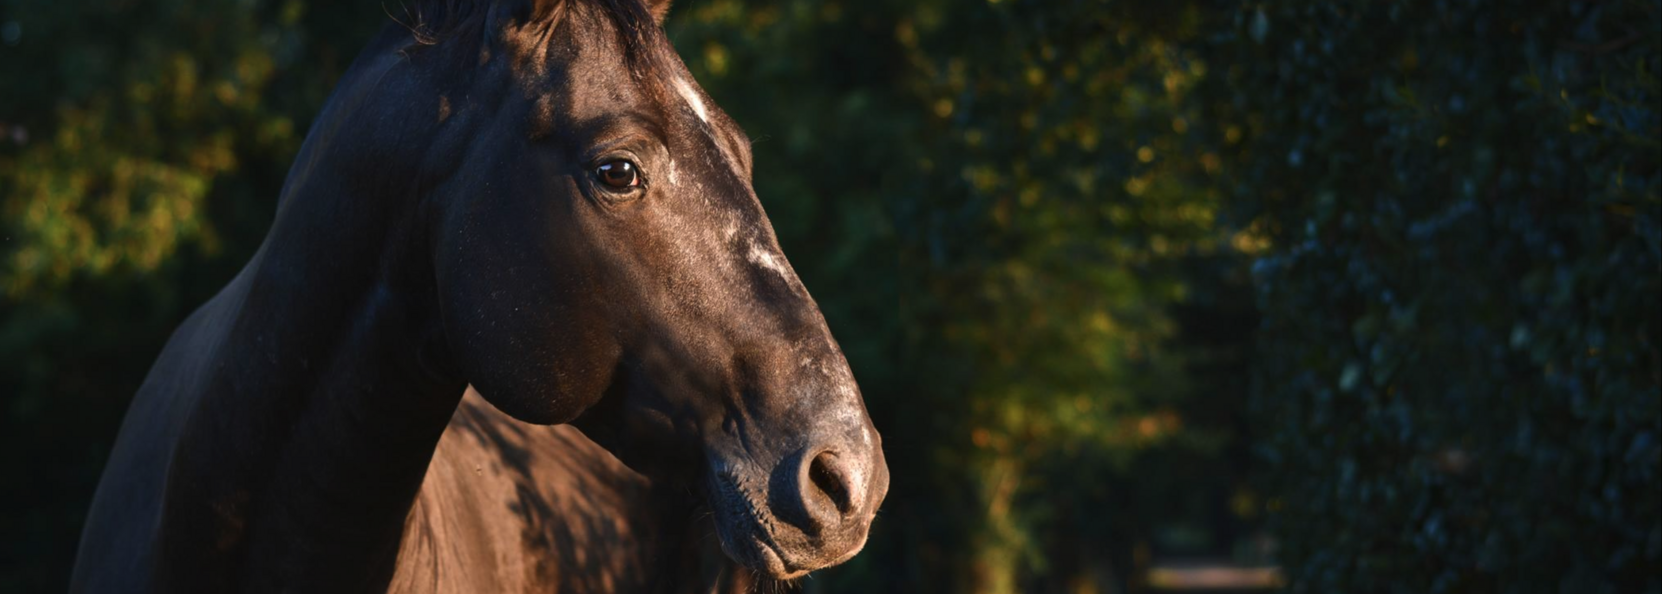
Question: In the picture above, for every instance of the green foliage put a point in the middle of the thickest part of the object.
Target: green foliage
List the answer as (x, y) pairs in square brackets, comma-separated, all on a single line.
[(1042, 244), (1460, 349), (141, 147)]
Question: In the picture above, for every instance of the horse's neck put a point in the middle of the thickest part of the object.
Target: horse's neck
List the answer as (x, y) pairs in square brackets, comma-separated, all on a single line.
[(314, 428)]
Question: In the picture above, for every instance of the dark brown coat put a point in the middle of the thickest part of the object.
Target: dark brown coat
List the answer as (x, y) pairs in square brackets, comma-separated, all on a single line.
[(543, 509)]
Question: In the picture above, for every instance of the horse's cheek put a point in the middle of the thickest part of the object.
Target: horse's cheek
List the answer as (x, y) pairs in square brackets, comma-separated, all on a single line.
[(539, 360)]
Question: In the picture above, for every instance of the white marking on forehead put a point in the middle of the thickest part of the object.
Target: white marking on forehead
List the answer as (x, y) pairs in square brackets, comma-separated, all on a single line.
[(763, 257), (693, 100)]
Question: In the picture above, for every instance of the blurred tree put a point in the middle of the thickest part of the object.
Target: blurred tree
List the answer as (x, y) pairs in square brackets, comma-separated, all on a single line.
[(1070, 185), (141, 147), (1460, 363)]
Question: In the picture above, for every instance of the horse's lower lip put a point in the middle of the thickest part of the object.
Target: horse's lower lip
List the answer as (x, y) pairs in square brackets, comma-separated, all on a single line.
[(775, 561), (762, 555), (764, 552)]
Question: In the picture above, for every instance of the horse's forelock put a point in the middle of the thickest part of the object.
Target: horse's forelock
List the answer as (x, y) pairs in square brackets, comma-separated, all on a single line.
[(432, 21)]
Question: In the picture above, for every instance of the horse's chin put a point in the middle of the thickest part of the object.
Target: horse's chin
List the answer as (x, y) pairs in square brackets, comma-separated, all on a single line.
[(762, 558), (747, 531)]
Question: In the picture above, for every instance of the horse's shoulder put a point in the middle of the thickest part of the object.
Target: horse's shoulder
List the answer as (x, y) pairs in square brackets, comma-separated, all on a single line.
[(510, 506)]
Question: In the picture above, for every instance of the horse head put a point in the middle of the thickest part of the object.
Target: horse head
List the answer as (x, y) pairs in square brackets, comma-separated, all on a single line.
[(602, 259)]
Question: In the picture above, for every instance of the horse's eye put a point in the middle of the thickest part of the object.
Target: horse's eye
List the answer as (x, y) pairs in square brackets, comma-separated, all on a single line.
[(619, 174)]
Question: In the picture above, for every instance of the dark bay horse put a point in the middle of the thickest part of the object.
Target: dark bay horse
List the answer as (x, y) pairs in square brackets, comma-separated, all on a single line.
[(532, 197)]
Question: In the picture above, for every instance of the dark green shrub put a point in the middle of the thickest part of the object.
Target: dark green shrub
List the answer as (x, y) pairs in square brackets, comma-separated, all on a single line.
[(1460, 348)]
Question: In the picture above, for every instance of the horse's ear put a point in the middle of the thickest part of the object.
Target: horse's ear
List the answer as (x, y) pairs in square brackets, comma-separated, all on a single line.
[(658, 8)]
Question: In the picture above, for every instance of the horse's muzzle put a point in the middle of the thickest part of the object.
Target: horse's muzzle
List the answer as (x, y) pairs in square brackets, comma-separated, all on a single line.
[(813, 510)]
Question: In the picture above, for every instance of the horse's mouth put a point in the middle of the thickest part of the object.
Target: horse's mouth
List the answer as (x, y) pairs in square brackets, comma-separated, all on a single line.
[(745, 530), (774, 563), (797, 513)]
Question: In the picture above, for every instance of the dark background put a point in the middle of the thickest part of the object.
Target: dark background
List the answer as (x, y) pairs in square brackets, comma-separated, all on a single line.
[(1367, 291)]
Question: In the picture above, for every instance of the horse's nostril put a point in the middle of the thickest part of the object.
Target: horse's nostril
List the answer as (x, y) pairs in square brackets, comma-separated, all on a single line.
[(830, 480)]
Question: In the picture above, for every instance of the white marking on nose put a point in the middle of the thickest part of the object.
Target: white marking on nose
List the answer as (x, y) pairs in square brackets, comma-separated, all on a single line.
[(693, 99)]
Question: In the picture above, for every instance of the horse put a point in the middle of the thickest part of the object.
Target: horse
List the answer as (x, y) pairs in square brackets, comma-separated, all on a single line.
[(532, 197)]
